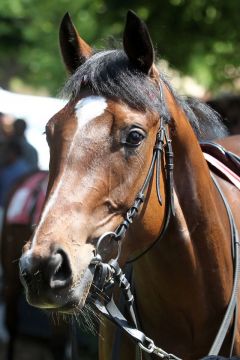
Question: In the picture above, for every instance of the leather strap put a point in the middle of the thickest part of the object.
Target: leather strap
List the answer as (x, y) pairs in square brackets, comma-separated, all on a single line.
[(232, 306), (231, 175), (122, 307), (111, 312), (169, 189)]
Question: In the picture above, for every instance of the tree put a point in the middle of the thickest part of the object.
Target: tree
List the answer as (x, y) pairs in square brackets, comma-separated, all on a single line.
[(198, 37), (29, 39)]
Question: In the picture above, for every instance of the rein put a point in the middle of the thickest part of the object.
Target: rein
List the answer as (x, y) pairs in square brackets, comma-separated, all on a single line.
[(109, 274)]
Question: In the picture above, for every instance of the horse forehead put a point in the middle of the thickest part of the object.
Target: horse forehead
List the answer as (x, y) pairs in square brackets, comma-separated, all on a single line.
[(89, 108)]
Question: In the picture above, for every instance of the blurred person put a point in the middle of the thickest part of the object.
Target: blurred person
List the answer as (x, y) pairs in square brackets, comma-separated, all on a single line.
[(4, 134), (2, 137), (3, 140), (14, 167), (29, 153), (6, 124)]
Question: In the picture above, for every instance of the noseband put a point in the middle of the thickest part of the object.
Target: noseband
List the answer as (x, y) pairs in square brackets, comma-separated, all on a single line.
[(162, 149)]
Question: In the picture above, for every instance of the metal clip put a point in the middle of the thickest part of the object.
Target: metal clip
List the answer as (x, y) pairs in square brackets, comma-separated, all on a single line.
[(149, 348)]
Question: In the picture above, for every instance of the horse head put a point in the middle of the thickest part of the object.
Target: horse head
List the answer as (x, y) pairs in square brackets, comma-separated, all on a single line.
[(101, 147)]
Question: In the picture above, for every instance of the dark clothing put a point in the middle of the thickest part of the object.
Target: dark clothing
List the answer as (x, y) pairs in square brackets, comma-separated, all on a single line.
[(29, 153), (9, 175)]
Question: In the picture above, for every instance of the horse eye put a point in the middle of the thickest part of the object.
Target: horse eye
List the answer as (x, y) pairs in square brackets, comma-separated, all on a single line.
[(134, 138)]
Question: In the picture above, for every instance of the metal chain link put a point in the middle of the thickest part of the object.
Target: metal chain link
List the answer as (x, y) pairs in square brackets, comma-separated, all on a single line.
[(153, 349)]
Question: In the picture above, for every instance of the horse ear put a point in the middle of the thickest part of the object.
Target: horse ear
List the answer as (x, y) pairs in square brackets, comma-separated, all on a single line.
[(137, 43), (75, 51)]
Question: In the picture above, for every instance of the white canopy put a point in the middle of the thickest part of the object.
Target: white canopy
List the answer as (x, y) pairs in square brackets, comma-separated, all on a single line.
[(36, 110)]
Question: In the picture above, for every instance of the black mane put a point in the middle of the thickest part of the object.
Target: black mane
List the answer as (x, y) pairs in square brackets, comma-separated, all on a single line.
[(109, 73)]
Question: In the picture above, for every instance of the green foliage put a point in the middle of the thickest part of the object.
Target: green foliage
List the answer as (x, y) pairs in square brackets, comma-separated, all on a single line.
[(200, 38), (29, 39)]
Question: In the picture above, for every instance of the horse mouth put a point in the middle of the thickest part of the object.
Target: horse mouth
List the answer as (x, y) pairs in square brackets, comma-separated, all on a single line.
[(67, 300)]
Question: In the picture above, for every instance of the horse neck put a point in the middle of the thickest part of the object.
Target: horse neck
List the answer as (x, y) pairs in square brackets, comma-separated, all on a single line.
[(191, 265)]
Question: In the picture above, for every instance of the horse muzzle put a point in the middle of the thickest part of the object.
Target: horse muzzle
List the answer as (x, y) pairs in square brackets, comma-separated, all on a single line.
[(49, 281)]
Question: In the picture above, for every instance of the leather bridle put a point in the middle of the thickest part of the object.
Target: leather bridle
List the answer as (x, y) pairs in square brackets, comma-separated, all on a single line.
[(109, 274), (162, 148)]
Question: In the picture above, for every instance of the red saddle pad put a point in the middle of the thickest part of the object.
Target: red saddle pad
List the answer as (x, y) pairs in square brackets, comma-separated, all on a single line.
[(27, 200)]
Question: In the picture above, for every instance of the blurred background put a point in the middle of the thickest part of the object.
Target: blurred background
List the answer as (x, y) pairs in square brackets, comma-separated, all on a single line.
[(198, 47)]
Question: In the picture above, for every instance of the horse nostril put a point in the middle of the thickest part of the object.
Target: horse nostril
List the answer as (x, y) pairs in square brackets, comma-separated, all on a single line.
[(26, 271), (53, 271), (60, 269)]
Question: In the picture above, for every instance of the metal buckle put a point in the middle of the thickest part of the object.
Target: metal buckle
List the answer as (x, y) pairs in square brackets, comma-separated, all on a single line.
[(150, 347)]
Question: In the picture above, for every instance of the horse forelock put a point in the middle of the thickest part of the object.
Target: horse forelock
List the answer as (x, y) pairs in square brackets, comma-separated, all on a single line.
[(110, 74)]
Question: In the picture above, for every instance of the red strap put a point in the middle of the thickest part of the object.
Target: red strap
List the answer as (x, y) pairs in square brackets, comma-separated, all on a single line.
[(232, 176)]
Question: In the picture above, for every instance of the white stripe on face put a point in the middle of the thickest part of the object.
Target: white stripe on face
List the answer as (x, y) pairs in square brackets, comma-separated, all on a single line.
[(89, 108), (86, 109)]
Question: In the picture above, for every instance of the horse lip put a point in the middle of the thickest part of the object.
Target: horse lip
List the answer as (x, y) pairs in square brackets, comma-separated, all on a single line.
[(82, 289), (64, 300)]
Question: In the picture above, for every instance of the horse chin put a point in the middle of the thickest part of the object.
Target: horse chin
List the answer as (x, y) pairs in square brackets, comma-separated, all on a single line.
[(70, 300)]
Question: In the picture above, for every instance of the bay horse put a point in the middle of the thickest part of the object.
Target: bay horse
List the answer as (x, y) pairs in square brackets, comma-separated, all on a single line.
[(113, 190)]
